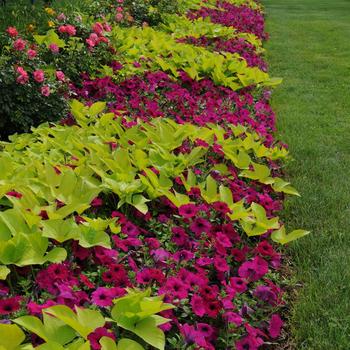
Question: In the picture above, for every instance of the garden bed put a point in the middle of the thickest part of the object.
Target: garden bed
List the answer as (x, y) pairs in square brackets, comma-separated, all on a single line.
[(141, 210)]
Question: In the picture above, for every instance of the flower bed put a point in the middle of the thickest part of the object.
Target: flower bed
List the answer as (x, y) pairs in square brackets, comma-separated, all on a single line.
[(147, 217)]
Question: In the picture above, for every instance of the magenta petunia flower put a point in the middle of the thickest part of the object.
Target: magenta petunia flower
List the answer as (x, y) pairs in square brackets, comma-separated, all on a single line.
[(97, 334), (200, 225), (36, 309), (10, 305), (249, 343), (253, 270), (183, 255), (213, 308), (221, 207), (192, 336), (15, 193), (96, 202), (275, 326), (103, 296), (130, 229), (152, 243), (174, 287), (232, 317), (188, 210), (223, 240), (205, 329), (209, 292), (197, 304), (179, 236), (221, 264), (265, 248), (238, 284), (265, 294), (58, 271)]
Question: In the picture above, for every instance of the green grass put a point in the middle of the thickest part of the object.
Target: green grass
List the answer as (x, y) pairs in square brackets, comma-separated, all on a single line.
[(20, 13), (310, 48)]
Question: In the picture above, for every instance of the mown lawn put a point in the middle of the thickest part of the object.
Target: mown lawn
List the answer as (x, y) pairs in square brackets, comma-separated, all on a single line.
[(310, 48)]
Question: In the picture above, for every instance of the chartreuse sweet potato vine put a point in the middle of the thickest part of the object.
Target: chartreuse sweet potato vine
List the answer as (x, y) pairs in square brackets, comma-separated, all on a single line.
[(186, 5), (181, 26), (62, 328), (156, 50), (59, 170)]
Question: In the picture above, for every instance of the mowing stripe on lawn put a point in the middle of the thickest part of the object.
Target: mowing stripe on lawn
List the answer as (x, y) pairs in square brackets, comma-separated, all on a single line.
[(310, 48)]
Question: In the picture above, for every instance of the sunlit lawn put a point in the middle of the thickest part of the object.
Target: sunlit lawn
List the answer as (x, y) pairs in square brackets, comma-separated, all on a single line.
[(310, 48)]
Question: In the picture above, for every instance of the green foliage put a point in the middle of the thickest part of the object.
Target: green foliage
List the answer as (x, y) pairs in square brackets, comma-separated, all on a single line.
[(137, 312), (157, 50), (181, 27), (150, 11), (23, 106), (35, 166), (11, 337), (62, 328), (186, 5)]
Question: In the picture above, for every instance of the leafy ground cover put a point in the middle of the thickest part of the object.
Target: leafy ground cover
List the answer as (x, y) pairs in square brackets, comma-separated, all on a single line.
[(147, 215), (313, 106)]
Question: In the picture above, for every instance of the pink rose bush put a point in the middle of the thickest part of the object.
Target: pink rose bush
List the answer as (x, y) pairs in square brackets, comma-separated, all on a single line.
[(227, 288)]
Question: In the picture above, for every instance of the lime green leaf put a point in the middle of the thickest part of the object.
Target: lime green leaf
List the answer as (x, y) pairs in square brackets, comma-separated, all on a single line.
[(150, 333), (91, 237), (51, 345), (281, 237), (39, 38), (139, 202), (97, 108), (108, 344), (226, 195), (4, 271), (11, 336), (128, 344), (34, 325), (83, 324), (280, 185)]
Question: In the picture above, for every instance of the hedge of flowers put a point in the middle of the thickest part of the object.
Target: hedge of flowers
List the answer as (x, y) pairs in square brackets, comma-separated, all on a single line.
[(147, 217)]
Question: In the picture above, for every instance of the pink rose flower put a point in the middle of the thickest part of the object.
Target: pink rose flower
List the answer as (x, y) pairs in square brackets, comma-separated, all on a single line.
[(12, 32), (19, 44), (45, 90), (68, 29), (39, 76), (31, 54), (98, 28), (54, 48), (107, 27), (119, 17), (61, 17), (23, 76), (60, 75)]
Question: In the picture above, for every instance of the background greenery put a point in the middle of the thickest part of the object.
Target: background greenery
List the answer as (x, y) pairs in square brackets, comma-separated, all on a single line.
[(20, 13), (310, 48)]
